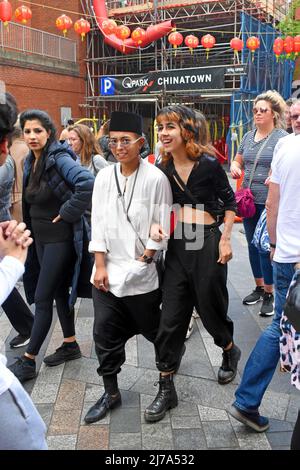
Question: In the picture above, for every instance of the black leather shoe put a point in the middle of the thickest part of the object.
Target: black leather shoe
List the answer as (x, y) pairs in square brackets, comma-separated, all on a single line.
[(101, 407), (228, 369), (164, 400)]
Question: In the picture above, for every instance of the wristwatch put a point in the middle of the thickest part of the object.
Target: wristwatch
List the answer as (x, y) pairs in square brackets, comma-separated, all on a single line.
[(147, 259), (272, 245)]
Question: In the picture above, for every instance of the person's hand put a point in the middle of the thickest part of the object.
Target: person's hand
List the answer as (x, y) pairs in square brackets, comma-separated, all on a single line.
[(225, 251), (235, 171), (157, 233), (267, 181), (101, 279), (17, 232), (16, 247), (272, 251), (57, 219)]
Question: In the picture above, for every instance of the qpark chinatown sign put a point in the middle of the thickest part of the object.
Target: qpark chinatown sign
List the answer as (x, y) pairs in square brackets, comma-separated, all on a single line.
[(205, 78)]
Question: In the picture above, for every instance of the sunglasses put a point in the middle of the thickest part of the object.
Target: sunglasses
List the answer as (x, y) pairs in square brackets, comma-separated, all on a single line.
[(260, 110), (294, 117)]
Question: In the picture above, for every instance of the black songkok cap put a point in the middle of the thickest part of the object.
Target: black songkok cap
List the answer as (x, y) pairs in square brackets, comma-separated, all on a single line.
[(126, 122)]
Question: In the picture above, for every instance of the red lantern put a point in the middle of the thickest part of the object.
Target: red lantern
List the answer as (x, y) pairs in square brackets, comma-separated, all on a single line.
[(288, 46), (123, 32), (138, 35), (109, 26), (176, 39), (297, 45), (82, 27), (237, 45), (253, 43), (191, 42), (208, 41), (5, 12), (278, 47), (23, 14), (63, 23)]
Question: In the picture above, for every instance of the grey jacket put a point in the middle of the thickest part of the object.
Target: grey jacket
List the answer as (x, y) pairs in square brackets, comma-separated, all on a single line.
[(7, 172)]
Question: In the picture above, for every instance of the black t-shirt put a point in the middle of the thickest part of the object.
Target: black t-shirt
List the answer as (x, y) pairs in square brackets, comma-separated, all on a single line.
[(44, 207)]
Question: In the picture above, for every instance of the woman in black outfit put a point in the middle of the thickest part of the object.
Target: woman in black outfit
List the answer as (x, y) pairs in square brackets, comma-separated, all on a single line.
[(197, 256), (56, 192)]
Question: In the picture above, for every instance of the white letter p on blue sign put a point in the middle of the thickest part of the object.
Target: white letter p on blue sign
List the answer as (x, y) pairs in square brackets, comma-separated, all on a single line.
[(107, 86)]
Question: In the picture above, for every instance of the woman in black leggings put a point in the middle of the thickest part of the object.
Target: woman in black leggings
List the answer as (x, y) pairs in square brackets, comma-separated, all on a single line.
[(56, 193)]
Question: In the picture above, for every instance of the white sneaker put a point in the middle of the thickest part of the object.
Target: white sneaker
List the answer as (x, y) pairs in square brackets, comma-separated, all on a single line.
[(195, 314), (190, 329)]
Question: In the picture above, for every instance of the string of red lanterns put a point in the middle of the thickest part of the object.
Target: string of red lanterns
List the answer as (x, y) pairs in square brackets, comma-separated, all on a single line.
[(288, 47)]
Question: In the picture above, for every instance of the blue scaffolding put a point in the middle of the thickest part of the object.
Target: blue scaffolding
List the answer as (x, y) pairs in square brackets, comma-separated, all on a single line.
[(262, 73)]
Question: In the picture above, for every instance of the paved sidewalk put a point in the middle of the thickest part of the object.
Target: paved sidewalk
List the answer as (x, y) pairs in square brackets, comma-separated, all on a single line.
[(63, 394)]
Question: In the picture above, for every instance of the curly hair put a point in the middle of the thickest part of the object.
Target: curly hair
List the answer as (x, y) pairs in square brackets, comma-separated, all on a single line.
[(194, 131), (277, 104), (90, 145)]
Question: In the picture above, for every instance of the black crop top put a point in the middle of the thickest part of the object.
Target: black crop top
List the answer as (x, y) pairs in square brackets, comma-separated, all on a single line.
[(207, 182)]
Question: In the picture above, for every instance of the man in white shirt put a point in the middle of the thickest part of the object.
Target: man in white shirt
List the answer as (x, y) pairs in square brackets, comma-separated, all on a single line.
[(128, 198), (283, 220), (21, 427)]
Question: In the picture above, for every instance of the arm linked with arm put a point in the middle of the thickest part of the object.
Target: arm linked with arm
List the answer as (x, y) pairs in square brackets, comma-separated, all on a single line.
[(162, 211)]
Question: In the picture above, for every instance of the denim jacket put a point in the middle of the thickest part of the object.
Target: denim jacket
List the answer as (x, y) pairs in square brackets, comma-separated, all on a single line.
[(7, 172)]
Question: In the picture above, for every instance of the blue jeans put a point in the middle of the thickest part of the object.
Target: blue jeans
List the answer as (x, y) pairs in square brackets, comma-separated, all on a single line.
[(260, 262), (264, 358)]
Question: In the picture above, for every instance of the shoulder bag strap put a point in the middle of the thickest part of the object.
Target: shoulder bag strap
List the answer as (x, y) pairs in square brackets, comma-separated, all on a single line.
[(183, 186), (121, 197), (257, 158), (94, 166)]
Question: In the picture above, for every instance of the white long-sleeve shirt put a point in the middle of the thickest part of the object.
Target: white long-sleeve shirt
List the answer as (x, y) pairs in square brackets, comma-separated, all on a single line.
[(11, 269), (112, 233)]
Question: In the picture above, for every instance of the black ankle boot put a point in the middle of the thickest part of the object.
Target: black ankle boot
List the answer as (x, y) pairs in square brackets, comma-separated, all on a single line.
[(228, 369), (164, 400)]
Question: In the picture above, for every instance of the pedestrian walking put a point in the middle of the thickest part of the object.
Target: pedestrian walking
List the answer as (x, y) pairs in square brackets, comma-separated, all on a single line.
[(21, 427), (197, 256), (14, 306), (255, 156), (283, 221), (134, 195), (56, 192)]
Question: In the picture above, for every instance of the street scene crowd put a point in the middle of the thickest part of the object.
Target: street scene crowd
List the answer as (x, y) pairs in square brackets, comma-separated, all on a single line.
[(85, 216)]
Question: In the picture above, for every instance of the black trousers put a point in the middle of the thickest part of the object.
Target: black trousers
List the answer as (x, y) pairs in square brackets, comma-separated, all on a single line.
[(18, 313), (117, 319), (56, 260), (192, 278)]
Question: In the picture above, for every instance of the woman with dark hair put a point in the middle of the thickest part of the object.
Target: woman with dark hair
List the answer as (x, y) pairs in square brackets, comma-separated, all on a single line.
[(197, 256), (84, 144), (56, 193)]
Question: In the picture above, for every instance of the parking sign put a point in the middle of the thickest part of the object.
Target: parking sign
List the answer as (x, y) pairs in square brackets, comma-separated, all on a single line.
[(107, 86)]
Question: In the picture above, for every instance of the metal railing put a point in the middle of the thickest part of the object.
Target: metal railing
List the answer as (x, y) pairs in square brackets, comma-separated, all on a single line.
[(34, 41)]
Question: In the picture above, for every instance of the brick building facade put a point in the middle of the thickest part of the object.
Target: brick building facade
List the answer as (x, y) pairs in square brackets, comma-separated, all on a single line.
[(38, 81)]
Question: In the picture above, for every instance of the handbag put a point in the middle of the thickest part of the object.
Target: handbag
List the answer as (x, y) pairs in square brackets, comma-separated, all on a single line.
[(158, 258), (244, 197), (261, 238)]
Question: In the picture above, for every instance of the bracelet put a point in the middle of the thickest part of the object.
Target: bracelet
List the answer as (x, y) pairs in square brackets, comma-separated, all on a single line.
[(272, 245)]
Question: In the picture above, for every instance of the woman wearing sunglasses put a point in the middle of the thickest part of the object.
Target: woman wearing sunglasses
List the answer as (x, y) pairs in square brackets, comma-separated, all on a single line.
[(268, 113)]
